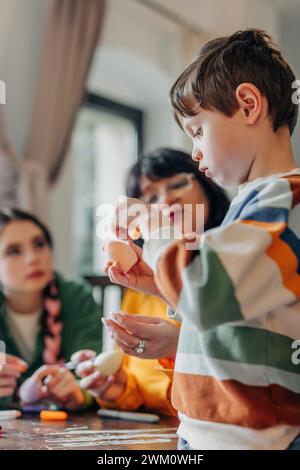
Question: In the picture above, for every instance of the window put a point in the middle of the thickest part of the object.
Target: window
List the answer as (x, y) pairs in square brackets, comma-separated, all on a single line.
[(106, 142)]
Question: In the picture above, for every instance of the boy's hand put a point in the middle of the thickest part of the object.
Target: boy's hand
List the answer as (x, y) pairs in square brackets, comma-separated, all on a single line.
[(127, 219), (105, 388), (132, 214), (160, 336), (9, 374), (140, 277)]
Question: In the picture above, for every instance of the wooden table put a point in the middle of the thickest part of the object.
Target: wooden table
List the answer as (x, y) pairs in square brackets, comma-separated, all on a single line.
[(87, 432)]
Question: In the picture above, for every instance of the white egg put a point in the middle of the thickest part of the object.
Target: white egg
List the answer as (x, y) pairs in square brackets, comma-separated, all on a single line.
[(123, 253), (108, 363)]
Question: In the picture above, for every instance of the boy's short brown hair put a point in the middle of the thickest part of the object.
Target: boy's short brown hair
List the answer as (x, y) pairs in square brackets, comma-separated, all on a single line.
[(222, 64)]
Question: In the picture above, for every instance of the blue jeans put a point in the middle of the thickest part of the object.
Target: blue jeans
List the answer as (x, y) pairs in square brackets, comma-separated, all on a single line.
[(183, 445), (295, 444)]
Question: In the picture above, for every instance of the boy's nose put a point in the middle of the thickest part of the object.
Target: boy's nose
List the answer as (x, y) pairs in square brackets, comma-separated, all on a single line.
[(197, 155)]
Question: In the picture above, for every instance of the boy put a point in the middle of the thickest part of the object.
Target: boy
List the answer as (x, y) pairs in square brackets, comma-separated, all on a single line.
[(236, 385)]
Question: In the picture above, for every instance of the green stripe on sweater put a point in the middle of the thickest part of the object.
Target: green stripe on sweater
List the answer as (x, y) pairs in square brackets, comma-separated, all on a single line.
[(240, 344), (216, 302)]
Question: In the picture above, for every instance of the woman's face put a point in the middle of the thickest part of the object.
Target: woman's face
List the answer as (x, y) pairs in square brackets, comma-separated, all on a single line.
[(181, 189), (26, 260)]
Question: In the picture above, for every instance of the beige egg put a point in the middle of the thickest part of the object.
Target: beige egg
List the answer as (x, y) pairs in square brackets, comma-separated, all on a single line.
[(108, 363), (123, 253)]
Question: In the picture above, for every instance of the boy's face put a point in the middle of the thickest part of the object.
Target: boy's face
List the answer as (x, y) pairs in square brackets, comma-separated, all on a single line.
[(221, 145)]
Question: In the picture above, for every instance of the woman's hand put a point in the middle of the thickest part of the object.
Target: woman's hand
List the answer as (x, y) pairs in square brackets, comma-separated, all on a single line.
[(105, 388), (9, 374), (63, 388), (55, 383), (140, 277), (160, 336)]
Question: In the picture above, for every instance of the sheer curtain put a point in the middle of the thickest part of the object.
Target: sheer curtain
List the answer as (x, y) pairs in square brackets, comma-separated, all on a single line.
[(71, 36)]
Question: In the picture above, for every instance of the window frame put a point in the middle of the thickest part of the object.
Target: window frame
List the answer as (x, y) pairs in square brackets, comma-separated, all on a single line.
[(136, 116)]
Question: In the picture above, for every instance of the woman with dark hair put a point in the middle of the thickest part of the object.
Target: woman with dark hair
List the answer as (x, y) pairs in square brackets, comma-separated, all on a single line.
[(44, 318), (170, 177), (168, 168)]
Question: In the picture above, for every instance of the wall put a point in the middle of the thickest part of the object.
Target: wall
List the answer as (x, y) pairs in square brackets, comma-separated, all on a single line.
[(25, 23), (289, 20)]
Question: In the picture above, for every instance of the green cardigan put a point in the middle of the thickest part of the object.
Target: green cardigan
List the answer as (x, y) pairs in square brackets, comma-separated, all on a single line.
[(82, 327)]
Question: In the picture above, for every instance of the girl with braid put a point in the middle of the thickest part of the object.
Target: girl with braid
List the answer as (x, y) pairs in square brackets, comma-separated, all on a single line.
[(44, 318)]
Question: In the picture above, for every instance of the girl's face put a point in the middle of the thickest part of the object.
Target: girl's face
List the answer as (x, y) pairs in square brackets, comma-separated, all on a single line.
[(26, 260), (181, 189)]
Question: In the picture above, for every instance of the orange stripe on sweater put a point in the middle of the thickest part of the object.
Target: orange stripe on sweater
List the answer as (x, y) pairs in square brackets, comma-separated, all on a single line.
[(231, 402), (281, 253), (169, 269)]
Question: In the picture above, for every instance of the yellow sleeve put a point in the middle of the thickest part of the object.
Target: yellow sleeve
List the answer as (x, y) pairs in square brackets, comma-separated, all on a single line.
[(153, 385)]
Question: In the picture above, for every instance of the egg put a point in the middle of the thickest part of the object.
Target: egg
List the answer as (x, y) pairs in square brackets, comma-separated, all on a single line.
[(108, 363), (122, 253)]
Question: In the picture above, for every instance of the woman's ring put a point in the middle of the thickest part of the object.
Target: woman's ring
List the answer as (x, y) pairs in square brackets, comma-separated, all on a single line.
[(140, 348)]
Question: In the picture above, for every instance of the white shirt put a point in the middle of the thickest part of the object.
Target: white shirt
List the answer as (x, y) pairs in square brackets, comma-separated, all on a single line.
[(24, 328)]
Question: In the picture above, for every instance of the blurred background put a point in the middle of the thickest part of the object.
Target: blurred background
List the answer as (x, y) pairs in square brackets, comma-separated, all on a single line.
[(87, 84)]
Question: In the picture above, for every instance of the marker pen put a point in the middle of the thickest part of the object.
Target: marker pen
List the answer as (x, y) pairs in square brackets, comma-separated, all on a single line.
[(129, 416), (70, 365), (10, 414)]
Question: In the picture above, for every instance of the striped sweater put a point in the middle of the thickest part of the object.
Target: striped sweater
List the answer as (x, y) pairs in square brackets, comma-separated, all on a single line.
[(239, 299)]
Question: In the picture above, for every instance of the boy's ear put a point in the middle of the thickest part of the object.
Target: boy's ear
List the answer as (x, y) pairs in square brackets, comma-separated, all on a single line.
[(250, 101)]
